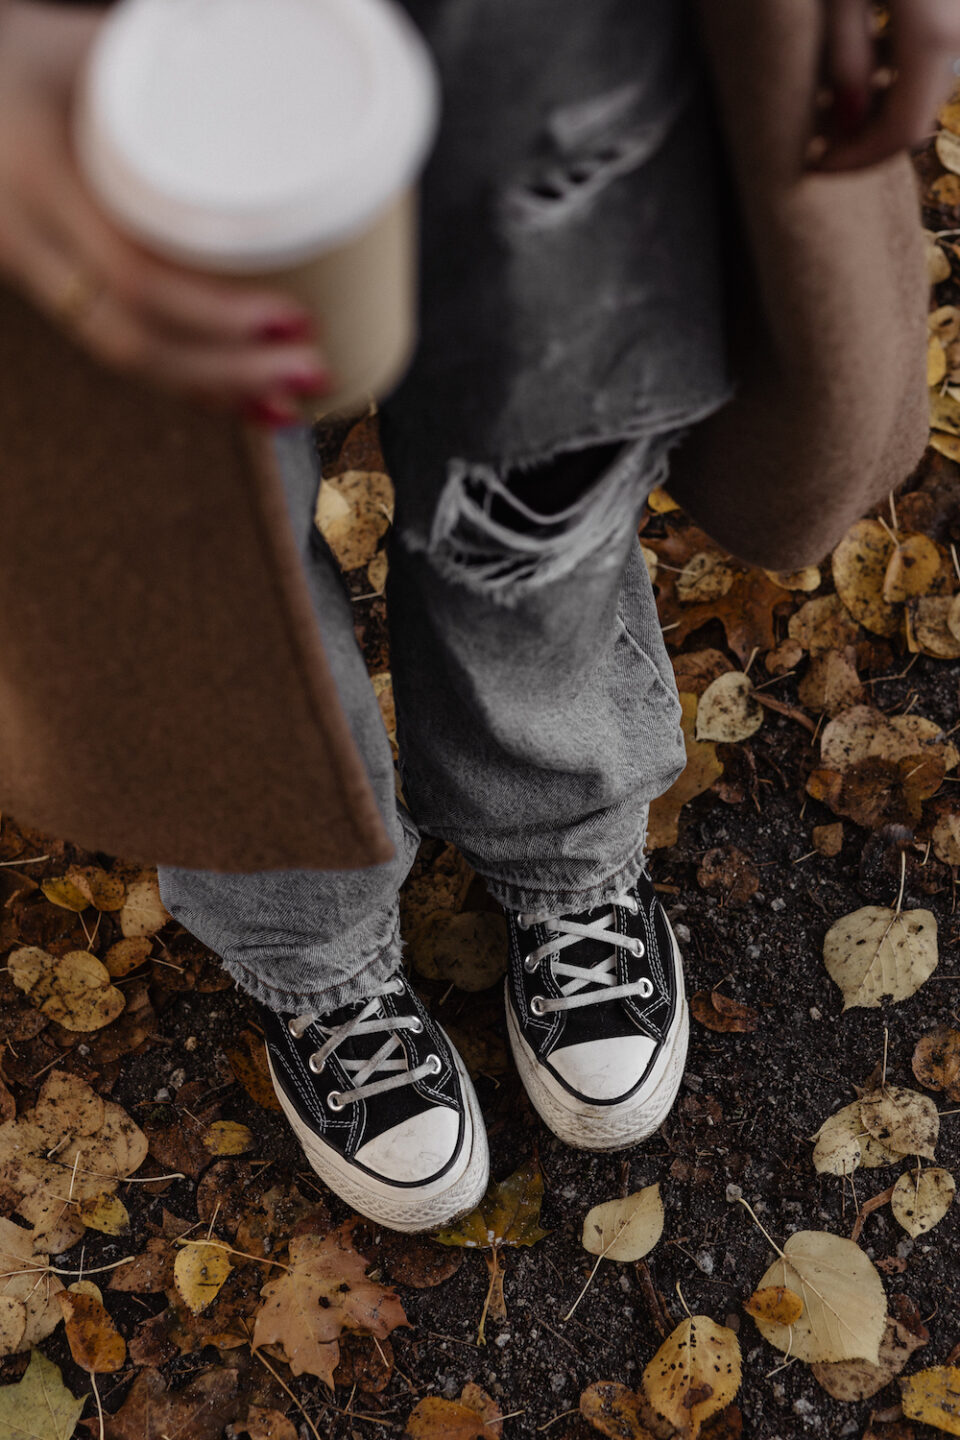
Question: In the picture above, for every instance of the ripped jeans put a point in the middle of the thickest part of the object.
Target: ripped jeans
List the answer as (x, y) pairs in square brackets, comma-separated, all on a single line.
[(537, 714)]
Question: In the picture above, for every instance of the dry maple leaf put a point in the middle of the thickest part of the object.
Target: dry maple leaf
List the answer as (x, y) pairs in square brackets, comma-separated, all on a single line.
[(324, 1291), (475, 1416)]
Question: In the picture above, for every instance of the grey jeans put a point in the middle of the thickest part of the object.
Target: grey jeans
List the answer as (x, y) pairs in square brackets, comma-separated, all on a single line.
[(537, 717)]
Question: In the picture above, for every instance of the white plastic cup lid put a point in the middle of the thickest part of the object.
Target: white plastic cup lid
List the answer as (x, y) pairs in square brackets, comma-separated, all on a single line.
[(240, 133)]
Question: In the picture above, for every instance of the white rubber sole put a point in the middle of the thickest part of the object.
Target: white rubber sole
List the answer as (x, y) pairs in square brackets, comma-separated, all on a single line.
[(603, 1127), (410, 1211)]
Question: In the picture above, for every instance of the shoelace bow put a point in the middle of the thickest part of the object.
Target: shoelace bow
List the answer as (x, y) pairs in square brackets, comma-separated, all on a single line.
[(371, 1020), (564, 933)]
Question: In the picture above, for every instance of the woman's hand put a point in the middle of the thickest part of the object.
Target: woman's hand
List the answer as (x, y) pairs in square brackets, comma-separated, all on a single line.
[(223, 343), (868, 124)]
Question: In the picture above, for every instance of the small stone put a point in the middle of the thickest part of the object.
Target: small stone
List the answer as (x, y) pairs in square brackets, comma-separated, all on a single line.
[(753, 952), (624, 1281), (705, 1262), (693, 1082), (162, 1094), (682, 933), (83, 1049), (190, 1043), (177, 1077), (734, 1193), (503, 1340), (815, 1014), (557, 1382), (905, 1249), (778, 904), (803, 1407)]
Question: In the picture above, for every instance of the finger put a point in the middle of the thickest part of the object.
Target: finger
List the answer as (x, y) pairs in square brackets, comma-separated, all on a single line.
[(188, 303), (903, 119), (850, 58)]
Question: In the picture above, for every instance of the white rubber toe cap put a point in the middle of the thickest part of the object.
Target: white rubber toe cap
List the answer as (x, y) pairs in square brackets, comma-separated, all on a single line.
[(416, 1148), (604, 1069)]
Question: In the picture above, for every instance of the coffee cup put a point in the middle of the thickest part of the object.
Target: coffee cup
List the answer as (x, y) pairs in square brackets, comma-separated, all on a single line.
[(277, 140)]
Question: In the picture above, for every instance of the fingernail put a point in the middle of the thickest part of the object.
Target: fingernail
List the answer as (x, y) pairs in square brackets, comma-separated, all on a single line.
[(308, 382), (849, 111), (267, 412), (292, 327)]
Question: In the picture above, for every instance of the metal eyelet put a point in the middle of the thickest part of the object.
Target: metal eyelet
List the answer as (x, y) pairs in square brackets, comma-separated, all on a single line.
[(435, 1063), (398, 986), (639, 948), (312, 1063), (536, 1005), (333, 1101), (530, 965), (521, 923), (290, 1024), (646, 989), (417, 1026), (633, 906)]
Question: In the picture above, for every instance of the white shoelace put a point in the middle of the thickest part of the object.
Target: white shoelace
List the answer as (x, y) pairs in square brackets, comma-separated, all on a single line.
[(369, 1021), (564, 933)]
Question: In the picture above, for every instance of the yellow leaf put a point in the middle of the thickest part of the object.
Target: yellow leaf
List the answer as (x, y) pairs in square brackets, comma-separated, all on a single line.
[(948, 445), (936, 361), (806, 579), (695, 1373), (227, 1137), (625, 1229), (878, 955), (106, 1213), (911, 570), (73, 989), (105, 892), (775, 1303), (95, 1342), (728, 711), (509, 1213), (353, 511), (901, 1119), (143, 911), (844, 1307), (61, 892), (921, 1198), (948, 150), (199, 1271), (930, 630), (706, 576), (933, 1397), (660, 502), (859, 569)]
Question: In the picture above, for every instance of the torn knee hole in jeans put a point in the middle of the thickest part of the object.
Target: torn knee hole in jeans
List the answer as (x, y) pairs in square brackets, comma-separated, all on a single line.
[(505, 530)]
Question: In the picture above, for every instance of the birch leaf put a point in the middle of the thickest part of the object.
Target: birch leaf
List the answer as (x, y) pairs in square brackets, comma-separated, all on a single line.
[(227, 1137), (625, 1229), (95, 1342), (844, 1307), (859, 570), (706, 576), (727, 710), (879, 955), (933, 1397), (143, 912), (853, 1380), (902, 1120), (74, 989), (39, 1407), (921, 1198), (695, 1373), (200, 1271), (28, 1291)]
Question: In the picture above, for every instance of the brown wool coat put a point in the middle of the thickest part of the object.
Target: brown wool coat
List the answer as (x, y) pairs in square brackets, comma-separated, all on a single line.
[(148, 574)]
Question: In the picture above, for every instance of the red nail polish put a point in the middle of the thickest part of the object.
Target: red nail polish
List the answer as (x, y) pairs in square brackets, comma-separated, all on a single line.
[(267, 412), (309, 382), (293, 327), (849, 111)]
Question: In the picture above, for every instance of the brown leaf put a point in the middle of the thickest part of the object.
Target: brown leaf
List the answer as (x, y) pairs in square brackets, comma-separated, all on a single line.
[(831, 683), (852, 1380), (126, 955), (776, 1303), (324, 1291), (95, 1342), (936, 1061), (823, 625), (261, 1424), (475, 1416), (723, 1015), (828, 839), (702, 769), (729, 870), (364, 1362), (416, 1260), (696, 669), (248, 1061), (103, 891), (150, 1272), (199, 1411), (615, 1410)]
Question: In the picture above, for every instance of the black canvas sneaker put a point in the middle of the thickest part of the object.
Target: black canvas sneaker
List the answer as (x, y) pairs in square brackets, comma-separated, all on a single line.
[(383, 1106), (597, 1018)]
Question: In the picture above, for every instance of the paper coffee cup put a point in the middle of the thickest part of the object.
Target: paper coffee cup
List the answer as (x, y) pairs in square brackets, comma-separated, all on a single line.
[(279, 140)]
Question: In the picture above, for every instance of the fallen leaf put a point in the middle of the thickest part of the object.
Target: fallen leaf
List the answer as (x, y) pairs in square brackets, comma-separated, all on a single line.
[(29, 1309), (776, 1304), (615, 1410), (853, 1380), (475, 1416), (911, 570), (264, 1424), (354, 511), (64, 894), (104, 1212), (143, 911), (946, 838), (377, 572), (947, 146), (822, 625), (509, 1213), (878, 955), (660, 502), (95, 1342), (126, 955), (936, 1061), (928, 627), (102, 890), (901, 1119), (200, 1411), (921, 1198), (148, 1273), (859, 569), (624, 1229), (696, 669), (723, 1015), (936, 361), (695, 1373), (863, 732), (39, 1407), (248, 1061), (416, 1260), (200, 1271), (706, 576), (844, 1143), (227, 1137), (784, 658), (828, 839), (324, 1291), (807, 578), (844, 1307), (74, 989), (703, 767), (831, 683), (727, 710), (933, 1397), (729, 870), (468, 950)]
